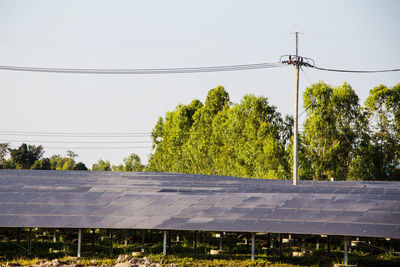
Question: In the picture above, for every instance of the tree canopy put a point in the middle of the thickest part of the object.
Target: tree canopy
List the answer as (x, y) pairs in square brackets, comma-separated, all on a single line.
[(341, 139)]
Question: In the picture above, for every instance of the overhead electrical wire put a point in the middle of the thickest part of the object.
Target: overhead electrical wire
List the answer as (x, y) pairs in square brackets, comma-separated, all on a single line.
[(79, 142), (353, 36), (147, 71), (123, 42), (355, 71), (94, 148)]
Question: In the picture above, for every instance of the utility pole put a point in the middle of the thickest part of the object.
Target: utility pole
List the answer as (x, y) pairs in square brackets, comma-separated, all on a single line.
[(296, 110)]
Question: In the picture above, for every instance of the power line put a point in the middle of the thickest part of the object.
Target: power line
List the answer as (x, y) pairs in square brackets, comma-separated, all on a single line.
[(354, 36), (309, 62), (356, 71), (128, 42), (94, 148), (80, 142), (109, 135), (146, 71)]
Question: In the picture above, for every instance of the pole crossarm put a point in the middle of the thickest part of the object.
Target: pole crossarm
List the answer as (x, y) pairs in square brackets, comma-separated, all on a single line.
[(296, 60)]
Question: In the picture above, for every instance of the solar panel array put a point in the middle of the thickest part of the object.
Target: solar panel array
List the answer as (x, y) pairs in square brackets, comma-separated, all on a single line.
[(170, 201)]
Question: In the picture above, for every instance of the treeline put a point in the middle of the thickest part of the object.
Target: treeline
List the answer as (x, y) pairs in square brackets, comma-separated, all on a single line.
[(31, 157), (341, 139)]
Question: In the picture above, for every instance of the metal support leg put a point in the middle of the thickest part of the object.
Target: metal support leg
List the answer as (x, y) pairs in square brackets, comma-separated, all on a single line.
[(195, 243), (248, 243), (126, 237), (280, 245), (253, 245), (272, 242), (93, 238), (169, 234), (165, 244), (19, 235), (78, 254), (221, 241), (143, 239), (111, 241), (54, 235), (329, 244), (30, 242), (371, 254), (345, 252)]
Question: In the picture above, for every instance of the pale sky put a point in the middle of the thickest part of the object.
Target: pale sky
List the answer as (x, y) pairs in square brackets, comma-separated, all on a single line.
[(362, 35)]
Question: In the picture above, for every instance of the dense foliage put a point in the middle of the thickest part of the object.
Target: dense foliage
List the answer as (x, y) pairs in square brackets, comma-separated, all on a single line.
[(341, 139)]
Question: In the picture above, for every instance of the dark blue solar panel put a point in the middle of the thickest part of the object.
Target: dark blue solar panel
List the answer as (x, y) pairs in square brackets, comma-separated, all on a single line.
[(146, 200)]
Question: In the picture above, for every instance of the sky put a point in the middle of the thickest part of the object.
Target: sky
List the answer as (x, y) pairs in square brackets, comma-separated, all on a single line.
[(91, 114)]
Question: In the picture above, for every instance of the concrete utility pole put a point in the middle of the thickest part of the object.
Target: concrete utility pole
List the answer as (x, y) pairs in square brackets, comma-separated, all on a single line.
[(296, 110)]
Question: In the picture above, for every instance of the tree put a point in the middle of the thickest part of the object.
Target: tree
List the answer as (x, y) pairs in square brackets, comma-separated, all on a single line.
[(383, 113), (80, 166), (170, 135), (71, 154), (42, 164), (132, 164), (3, 152), (330, 129), (25, 156), (101, 165), (246, 139), (68, 164)]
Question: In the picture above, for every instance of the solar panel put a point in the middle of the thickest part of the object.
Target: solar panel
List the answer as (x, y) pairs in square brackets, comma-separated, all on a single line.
[(171, 201)]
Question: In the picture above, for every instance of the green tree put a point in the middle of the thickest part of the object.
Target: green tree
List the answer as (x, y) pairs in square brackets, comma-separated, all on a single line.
[(330, 129), (25, 156), (56, 162), (42, 164), (101, 165), (3, 153), (132, 164), (68, 164), (198, 151), (80, 166), (247, 139), (71, 154), (382, 109), (170, 135)]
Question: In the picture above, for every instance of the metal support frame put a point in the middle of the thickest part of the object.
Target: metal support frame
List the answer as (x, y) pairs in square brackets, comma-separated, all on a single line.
[(280, 245), (165, 243), (78, 254), (253, 245)]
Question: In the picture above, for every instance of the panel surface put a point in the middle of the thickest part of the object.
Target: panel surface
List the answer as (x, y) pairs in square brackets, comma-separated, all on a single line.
[(171, 201)]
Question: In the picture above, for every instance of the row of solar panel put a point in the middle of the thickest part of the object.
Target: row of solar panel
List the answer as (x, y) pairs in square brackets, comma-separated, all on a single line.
[(204, 224)]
